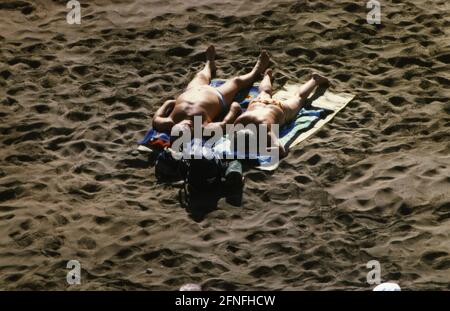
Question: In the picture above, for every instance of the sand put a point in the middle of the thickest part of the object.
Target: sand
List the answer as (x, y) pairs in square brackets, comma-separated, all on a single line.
[(371, 185)]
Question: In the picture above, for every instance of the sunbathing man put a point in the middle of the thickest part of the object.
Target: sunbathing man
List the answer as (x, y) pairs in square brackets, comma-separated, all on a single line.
[(214, 105), (266, 110)]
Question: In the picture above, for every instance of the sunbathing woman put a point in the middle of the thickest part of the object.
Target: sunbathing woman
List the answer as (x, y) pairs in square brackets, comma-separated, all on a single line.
[(266, 110), (214, 105)]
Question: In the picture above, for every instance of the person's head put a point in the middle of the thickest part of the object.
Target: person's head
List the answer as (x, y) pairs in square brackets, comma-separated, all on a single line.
[(182, 128)]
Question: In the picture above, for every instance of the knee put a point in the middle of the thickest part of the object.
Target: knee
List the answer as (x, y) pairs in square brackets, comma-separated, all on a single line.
[(238, 81), (265, 91), (201, 75)]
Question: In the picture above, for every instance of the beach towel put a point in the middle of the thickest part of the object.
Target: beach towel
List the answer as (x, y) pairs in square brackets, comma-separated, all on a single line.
[(321, 107)]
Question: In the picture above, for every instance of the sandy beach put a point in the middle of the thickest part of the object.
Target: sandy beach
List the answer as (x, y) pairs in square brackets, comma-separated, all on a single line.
[(373, 184)]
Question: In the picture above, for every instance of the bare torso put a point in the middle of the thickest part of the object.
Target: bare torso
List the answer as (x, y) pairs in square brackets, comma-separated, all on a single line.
[(261, 113), (197, 101), (265, 112)]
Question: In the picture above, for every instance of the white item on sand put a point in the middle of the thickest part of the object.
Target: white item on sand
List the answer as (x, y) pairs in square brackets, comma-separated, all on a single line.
[(387, 287), (190, 287)]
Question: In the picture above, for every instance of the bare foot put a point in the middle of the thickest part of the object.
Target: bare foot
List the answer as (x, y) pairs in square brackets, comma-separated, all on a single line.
[(262, 63), (320, 79), (269, 73), (211, 59)]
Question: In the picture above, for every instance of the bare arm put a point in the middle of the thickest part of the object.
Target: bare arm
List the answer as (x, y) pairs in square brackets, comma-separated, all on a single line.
[(235, 111), (161, 121), (231, 116)]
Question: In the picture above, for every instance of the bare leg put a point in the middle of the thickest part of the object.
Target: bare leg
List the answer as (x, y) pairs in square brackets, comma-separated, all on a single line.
[(204, 76), (293, 105), (265, 87), (230, 88)]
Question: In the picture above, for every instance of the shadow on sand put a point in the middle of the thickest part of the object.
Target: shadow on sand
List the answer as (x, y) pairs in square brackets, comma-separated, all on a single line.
[(200, 204)]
